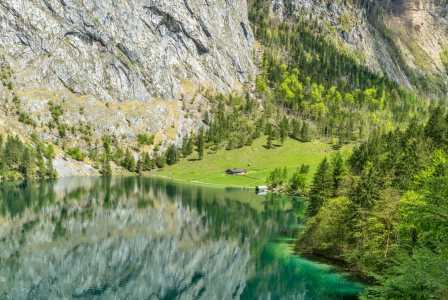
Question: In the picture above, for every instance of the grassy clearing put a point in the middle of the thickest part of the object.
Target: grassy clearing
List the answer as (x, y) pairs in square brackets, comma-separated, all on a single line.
[(212, 168)]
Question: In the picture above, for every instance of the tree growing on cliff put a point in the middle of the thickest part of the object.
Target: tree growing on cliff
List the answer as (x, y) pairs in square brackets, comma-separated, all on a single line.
[(106, 170)]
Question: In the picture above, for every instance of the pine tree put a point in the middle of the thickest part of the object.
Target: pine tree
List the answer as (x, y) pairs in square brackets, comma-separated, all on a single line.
[(50, 170), (131, 164), (139, 167), (296, 129), (26, 165), (201, 143), (284, 129), (206, 118), (146, 162), (269, 134), (436, 128), (305, 133), (285, 173), (190, 145), (41, 163), (321, 189), (161, 161), (106, 170), (338, 170), (304, 169), (185, 146)]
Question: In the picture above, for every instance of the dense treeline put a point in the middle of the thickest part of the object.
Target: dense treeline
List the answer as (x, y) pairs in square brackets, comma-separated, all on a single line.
[(385, 209), (22, 160)]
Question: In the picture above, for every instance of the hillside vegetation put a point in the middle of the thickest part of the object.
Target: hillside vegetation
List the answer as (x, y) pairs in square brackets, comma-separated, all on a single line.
[(212, 167)]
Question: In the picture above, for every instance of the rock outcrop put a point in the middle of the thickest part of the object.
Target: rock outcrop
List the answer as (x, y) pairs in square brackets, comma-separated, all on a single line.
[(121, 65), (418, 29)]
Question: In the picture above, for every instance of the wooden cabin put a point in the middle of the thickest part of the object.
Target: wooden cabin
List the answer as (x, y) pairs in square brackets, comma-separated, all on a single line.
[(235, 172)]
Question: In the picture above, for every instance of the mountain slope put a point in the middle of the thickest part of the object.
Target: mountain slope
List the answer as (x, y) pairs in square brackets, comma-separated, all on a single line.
[(120, 64), (402, 39)]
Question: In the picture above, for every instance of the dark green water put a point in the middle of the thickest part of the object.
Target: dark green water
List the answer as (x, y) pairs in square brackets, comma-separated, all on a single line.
[(147, 238)]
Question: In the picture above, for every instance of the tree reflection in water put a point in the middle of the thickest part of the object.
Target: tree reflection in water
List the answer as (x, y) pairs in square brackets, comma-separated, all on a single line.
[(140, 237)]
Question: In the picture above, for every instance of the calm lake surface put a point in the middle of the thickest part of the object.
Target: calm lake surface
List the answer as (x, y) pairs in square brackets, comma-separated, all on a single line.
[(149, 238)]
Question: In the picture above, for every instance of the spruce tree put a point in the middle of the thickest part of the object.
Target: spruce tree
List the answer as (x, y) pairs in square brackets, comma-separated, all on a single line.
[(190, 145), (269, 134), (305, 133), (106, 170), (338, 170), (436, 128), (296, 129), (185, 146), (50, 170), (201, 143), (26, 164), (321, 189), (131, 167), (139, 167)]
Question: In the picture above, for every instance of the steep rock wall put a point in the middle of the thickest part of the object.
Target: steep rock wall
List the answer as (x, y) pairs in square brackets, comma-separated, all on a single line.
[(418, 29), (123, 62)]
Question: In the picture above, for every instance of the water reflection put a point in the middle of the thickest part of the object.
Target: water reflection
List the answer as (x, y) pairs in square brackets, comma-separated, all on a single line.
[(147, 238)]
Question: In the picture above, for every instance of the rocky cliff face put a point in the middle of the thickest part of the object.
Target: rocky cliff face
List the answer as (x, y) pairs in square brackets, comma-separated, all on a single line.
[(121, 65), (417, 28)]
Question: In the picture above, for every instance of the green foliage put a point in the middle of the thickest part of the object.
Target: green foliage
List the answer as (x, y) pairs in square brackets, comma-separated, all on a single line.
[(19, 160), (26, 119), (276, 178), (444, 57), (420, 274), (261, 85), (389, 211), (172, 155), (106, 170), (128, 161), (321, 189), (305, 133), (299, 183), (144, 139), (76, 154), (201, 144)]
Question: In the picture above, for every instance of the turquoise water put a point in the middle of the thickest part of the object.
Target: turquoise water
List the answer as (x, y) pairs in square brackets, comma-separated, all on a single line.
[(148, 238)]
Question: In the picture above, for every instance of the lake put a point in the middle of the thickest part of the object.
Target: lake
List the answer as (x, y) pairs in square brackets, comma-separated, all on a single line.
[(151, 238)]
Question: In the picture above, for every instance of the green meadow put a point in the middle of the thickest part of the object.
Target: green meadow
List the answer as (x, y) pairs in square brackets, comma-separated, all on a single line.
[(212, 168)]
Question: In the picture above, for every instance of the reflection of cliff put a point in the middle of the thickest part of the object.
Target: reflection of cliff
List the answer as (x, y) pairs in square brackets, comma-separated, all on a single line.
[(127, 238), (123, 252)]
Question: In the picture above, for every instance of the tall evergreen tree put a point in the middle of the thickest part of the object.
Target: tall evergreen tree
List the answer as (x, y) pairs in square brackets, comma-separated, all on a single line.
[(436, 128), (321, 189), (201, 143), (305, 133), (139, 168), (26, 163), (106, 170)]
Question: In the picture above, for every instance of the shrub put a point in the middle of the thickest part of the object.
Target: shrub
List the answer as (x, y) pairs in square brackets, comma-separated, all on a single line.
[(76, 154), (144, 139)]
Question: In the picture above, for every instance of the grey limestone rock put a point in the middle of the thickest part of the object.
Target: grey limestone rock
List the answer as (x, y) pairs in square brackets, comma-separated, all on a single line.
[(123, 61)]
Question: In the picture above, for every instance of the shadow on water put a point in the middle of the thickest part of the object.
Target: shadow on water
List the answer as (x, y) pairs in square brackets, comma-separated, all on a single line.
[(149, 238)]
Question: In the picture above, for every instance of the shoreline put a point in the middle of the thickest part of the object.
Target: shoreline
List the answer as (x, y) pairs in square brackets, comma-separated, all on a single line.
[(340, 263), (198, 182)]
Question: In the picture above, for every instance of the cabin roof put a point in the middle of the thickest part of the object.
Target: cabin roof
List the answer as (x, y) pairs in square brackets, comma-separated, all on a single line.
[(237, 170)]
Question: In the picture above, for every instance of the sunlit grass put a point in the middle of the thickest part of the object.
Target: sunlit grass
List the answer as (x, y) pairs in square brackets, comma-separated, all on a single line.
[(212, 168)]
